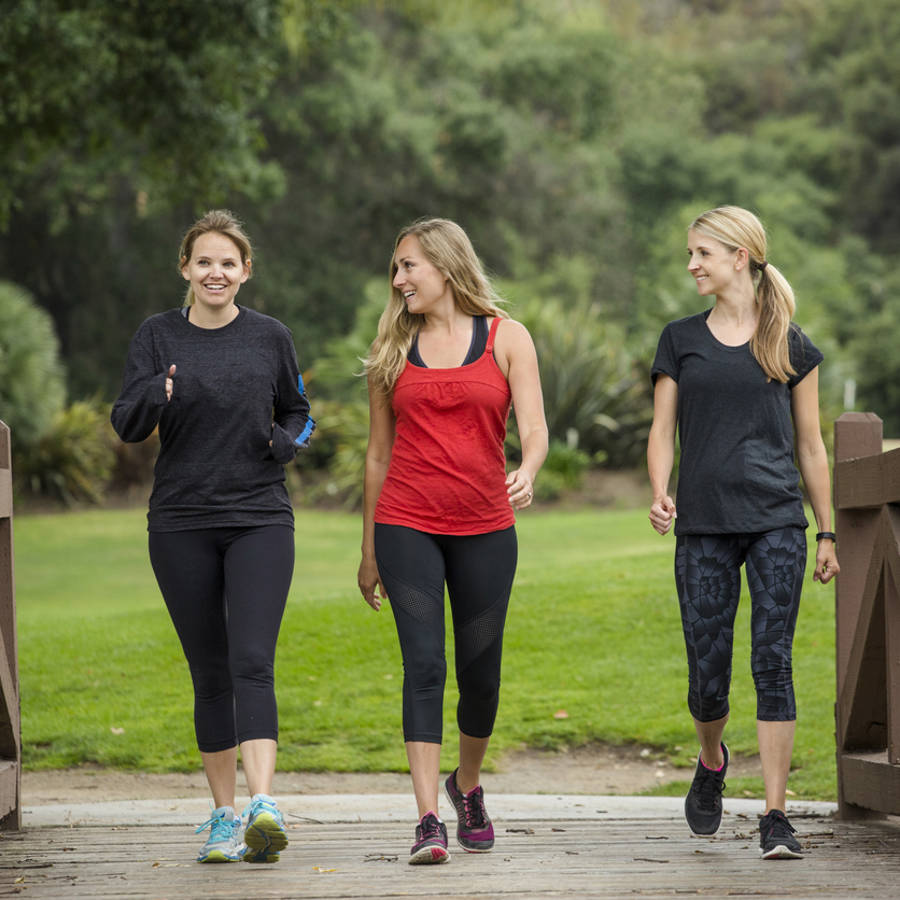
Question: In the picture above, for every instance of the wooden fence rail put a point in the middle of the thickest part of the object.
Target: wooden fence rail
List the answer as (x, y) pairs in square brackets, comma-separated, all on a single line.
[(10, 721), (867, 711)]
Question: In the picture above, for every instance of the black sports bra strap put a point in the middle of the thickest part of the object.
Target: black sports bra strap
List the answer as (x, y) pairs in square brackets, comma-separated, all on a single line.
[(477, 345)]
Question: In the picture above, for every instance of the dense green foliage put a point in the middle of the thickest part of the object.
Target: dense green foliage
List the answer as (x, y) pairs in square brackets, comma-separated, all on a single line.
[(593, 629), (573, 140), (32, 391), (58, 451)]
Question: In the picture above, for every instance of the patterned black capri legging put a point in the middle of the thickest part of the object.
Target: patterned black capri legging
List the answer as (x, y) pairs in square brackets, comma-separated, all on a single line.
[(708, 579)]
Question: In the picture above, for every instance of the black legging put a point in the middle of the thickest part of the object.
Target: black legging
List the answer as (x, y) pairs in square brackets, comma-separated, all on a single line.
[(708, 579), (225, 589), (479, 571)]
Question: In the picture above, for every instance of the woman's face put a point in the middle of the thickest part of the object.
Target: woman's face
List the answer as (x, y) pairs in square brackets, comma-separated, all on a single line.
[(421, 283), (711, 263), (215, 270)]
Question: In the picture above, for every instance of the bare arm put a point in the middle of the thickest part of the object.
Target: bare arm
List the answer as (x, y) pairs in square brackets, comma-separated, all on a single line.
[(661, 452), (812, 460), (378, 457), (517, 356)]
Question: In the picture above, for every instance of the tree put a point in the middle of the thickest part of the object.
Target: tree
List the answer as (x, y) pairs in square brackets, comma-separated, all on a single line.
[(152, 98)]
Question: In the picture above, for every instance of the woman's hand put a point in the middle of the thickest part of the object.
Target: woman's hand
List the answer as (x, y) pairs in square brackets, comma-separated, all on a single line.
[(662, 514), (826, 561), (369, 582), (520, 488), (170, 383)]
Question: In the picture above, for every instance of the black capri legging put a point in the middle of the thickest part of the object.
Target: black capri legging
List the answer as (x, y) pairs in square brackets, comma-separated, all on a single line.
[(479, 571), (708, 578), (225, 589)]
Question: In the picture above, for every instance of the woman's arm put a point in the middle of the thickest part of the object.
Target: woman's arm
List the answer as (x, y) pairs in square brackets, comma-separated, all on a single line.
[(146, 389), (292, 424), (520, 365), (812, 460), (378, 458), (661, 451)]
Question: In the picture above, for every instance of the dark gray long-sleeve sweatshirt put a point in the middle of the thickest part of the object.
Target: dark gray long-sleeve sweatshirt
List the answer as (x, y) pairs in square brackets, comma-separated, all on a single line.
[(235, 389)]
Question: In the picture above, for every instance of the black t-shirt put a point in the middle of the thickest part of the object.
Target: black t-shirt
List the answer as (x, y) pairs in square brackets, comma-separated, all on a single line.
[(215, 466), (737, 473)]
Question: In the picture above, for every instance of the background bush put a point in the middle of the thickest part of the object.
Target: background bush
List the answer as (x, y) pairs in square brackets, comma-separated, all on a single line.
[(74, 458), (32, 387)]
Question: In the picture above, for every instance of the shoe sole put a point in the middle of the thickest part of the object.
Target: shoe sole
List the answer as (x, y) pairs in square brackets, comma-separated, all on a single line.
[(474, 849), (429, 856), (704, 833), (217, 856), (780, 852), (265, 839)]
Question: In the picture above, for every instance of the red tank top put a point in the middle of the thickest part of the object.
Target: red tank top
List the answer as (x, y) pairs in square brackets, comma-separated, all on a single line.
[(448, 470)]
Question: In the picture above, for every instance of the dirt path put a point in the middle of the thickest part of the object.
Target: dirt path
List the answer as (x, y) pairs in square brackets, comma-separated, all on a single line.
[(596, 769)]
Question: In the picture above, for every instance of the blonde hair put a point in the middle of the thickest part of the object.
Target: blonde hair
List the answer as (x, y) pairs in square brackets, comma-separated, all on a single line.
[(220, 221), (736, 227), (448, 248)]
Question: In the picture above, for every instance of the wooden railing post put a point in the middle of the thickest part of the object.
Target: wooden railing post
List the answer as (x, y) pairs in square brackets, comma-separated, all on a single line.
[(867, 618), (10, 719)]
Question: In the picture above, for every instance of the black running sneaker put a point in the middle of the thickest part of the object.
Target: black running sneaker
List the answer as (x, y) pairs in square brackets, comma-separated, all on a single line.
[(431, 842), (474, 831), (776, 837), (703, 804)]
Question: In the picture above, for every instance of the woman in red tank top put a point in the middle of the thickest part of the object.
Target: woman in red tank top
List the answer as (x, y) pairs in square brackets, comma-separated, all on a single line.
[(445, 368)]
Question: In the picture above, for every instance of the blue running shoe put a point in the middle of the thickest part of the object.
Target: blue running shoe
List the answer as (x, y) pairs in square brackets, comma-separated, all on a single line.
[(225, 843), (264, 835)]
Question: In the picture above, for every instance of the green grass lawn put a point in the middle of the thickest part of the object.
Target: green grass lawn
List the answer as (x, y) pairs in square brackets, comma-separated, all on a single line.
[(593, 630)]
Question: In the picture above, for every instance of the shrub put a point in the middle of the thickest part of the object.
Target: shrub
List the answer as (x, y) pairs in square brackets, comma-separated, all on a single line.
[(32, 389), (73, 459), (563, 470), (596, 389)]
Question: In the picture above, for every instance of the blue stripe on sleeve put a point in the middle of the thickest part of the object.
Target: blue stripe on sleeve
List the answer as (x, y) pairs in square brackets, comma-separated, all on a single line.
[(303, 437), (300, 386)]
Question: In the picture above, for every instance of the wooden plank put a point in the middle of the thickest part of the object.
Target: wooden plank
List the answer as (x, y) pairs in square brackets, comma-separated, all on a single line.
[(9, 707), (867, 482), (5, 493), (10, 720), (861, 697), (857, 434), (871, 781), (9, 787), (7, 588), (892, 634), (567, 859), (859, 483), (859, 536), (891, 474)]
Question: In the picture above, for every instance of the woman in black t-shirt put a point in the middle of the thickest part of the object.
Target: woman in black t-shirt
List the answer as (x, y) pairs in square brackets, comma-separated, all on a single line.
[(739, 382)]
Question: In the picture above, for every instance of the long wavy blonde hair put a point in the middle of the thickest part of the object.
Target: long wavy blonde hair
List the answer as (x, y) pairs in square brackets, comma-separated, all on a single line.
[(448, 248), (220, 221), (736, 227)]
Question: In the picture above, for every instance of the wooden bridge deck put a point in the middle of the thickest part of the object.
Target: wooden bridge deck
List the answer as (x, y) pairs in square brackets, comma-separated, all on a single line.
[(577, 858)]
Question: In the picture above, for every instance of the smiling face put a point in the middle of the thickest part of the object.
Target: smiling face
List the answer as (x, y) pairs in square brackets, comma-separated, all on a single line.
[(713, 265), (215, 271), (421, 284)]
